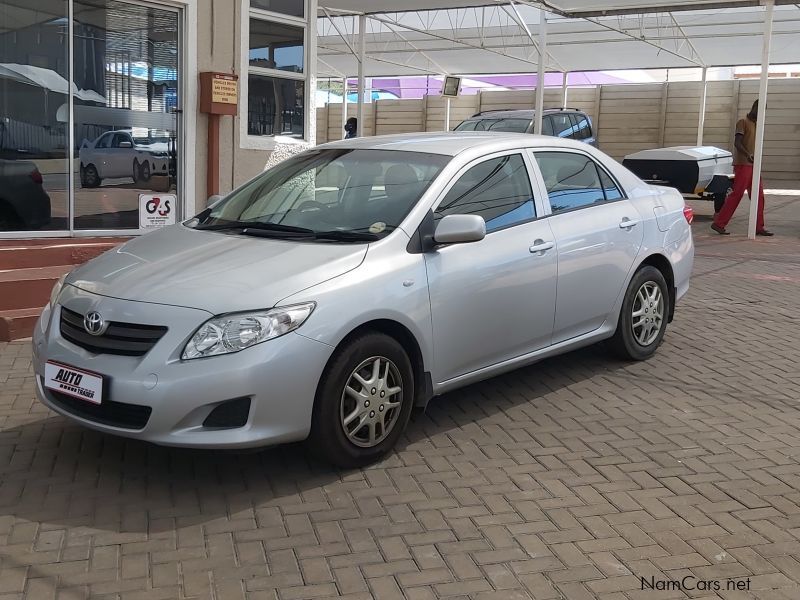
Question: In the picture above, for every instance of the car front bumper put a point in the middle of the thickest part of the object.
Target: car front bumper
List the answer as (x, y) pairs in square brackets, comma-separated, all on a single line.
[(279, 377)]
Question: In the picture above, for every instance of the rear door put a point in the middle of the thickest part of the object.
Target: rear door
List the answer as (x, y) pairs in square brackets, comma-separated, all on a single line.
[(598, 233)]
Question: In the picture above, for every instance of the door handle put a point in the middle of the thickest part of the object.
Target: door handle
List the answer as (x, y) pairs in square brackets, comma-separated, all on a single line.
[(540, 247), (627, 223)]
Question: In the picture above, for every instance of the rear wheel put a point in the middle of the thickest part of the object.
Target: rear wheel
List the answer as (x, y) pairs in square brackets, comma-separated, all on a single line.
[(363, 402), (719, 201), (90, 178), (9, 220), (643, 317)]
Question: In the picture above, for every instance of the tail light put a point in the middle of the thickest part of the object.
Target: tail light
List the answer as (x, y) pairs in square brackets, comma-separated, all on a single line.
[(36, 176), (688, 213)]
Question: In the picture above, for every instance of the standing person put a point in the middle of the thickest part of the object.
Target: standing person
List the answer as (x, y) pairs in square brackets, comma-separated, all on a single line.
[(745, 147), (351, 127)]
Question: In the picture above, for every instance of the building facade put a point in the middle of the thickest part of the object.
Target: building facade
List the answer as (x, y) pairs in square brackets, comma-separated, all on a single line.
[(100, 117)]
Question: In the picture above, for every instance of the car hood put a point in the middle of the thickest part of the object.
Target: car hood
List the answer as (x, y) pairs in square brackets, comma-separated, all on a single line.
[(213, 271)]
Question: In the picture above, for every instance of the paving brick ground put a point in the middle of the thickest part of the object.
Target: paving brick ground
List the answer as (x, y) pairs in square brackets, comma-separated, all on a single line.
[(570, 479)]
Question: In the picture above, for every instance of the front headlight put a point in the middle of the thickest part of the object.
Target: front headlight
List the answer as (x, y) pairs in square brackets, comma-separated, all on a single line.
[(235, 332), (57, 290)]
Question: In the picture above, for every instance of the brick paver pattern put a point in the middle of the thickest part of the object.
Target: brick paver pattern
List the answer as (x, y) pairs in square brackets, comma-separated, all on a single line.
[(572, 479)]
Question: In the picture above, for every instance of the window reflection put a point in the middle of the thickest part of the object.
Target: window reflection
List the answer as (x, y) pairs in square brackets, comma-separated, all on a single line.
[(126, 61), (275, 106), (33, 96)]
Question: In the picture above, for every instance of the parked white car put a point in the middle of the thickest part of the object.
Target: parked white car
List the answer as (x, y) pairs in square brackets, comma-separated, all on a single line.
[(118, 154)]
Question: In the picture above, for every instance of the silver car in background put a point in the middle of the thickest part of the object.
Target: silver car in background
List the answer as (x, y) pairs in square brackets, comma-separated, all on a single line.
[(330, 295)]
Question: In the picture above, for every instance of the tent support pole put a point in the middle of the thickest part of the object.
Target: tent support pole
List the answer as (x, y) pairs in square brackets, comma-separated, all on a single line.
[(344, 105), (701, 124), (540, 79), (758, 162), (362, 51), (564, 89)]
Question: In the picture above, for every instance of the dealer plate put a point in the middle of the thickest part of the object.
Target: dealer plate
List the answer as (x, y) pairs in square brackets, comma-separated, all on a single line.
[(73, 382)]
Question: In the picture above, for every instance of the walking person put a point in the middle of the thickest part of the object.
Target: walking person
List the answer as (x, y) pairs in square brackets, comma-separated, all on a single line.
[(743, 157)]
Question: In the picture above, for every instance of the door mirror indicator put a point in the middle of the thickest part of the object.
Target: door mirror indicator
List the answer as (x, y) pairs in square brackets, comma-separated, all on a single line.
[(460, 229)]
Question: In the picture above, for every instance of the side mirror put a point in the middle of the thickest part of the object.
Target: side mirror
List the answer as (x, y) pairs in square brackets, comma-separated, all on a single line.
[(212, 200), (460, 229), (125, 145)]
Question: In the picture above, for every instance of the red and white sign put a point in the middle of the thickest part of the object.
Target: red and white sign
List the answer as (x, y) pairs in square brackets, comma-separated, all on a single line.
[(73, 382), (157, 210)]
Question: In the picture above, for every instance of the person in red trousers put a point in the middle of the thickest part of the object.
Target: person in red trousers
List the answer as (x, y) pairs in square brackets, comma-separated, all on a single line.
[(745, 146)]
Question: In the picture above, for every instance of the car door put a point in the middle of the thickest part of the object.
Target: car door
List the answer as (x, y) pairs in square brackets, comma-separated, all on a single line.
[(101, 154), (121, 156), (598, 233), (492, 300)]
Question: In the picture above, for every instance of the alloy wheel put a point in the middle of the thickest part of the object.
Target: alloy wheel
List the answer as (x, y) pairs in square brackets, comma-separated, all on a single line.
[(371, 402), (648, 313)]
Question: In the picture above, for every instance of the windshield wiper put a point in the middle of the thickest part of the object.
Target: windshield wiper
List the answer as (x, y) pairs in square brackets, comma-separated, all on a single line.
[(257, 226), (346, 236)]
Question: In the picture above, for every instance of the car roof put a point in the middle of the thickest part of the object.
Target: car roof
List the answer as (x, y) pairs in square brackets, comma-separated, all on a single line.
[(452, 144)]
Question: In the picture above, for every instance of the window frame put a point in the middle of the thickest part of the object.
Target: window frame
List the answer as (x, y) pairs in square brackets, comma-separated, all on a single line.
[(269, 142), (600, 167), (524, 153)]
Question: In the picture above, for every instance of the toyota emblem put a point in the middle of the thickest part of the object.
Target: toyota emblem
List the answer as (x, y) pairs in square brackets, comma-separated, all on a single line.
[(94, 324)]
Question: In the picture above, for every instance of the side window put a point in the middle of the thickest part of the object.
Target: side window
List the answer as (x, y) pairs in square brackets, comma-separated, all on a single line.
[(498, 189), (511, 125), (609, 187), (584, 130), (547, 126), (572, 180), (118, 139), (105, 141), (562, 125), (466, 126)]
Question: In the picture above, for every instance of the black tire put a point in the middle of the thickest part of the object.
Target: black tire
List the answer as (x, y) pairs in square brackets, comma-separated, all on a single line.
[(144, 171), (625, 343), (328, 438), (91, 178), (136, 174), (9, 219)]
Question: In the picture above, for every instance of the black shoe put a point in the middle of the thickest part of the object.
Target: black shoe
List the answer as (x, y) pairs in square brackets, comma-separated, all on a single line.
[(720, 230), (765, 233)]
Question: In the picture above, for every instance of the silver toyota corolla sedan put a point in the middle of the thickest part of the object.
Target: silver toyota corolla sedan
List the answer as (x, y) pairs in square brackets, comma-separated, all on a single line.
[(333, 293)]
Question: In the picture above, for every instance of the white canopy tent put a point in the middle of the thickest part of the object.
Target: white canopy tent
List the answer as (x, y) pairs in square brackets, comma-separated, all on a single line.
[(454, 37)]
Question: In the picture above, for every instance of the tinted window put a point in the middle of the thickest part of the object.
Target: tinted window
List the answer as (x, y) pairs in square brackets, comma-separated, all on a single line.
[(286, 7), (547, 126), (499, 190), (584, 129), (119, 138), (511, 125), (104, 141), (611, 190), (276, 46), (562, 125), (572, 180), (275, 106), (466, 126)]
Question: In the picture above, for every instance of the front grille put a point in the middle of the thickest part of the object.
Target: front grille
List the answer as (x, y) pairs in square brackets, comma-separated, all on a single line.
[(115, 414), (124, 339)]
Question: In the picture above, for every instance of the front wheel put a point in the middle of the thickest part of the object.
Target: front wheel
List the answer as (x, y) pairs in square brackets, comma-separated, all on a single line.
[(643, 317), (363, 401)]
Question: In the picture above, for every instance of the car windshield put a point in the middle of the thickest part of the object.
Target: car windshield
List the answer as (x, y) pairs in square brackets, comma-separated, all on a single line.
[(328, 191)]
